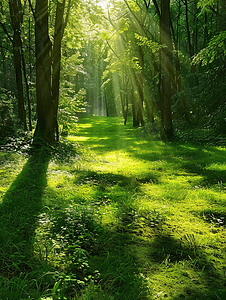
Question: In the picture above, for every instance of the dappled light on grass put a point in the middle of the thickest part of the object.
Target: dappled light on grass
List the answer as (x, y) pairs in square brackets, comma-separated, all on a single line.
[(124, 217), (176, 180)]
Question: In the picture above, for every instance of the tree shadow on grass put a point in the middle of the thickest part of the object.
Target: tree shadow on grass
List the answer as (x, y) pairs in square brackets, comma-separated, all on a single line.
[(107, 179), (205, 161), (18, 214), (192, 268), (197, 276), (131, 267)]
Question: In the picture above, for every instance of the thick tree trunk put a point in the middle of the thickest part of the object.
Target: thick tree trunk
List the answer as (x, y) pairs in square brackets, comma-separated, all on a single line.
[(45, 127), (16, 17), (47, 82)]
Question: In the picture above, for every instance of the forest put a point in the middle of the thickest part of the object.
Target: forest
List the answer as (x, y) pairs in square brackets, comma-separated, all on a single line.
[(112, 149)]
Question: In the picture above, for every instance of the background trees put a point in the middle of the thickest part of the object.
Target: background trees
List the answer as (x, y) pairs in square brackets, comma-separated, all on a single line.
[(147, 59)]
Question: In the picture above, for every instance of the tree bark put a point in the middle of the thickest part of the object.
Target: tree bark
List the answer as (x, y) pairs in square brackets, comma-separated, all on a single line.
[(132, 98), (16, 16), (47, 82), (27, 89), (167, 67), (140, 109), (58, 35), (45, 126), (190, 46)]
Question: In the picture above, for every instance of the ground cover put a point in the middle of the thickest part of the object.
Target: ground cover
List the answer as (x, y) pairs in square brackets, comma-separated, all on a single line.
[(121, 216)]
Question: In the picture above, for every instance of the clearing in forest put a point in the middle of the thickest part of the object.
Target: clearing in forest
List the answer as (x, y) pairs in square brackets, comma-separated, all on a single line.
[(124, 217)]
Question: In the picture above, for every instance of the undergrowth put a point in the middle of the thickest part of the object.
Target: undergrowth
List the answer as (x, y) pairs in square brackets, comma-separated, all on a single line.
[(112, 214)]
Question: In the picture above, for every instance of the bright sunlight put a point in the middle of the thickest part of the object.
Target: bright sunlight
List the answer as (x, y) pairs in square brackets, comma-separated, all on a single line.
[(112, 150)]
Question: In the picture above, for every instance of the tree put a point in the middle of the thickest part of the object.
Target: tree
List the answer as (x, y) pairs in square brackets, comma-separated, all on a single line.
[(16, 16), (48, 58), (167, 77)]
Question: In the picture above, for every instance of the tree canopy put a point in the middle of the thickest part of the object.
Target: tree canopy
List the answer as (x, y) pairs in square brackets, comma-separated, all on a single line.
[(150, 60)]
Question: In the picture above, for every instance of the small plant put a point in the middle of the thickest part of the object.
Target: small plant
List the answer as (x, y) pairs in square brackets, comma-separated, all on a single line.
[(216, 219), (70, 236), (132, 218), (8, 116), (190, 241)]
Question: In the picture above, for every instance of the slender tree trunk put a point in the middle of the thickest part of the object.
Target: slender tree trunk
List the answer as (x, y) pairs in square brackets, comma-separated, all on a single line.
[(58, 35), (167, 66), (150, 101), (16, 17), (190, 46), (140, 109), (127, 108), (122, 99), (176, 80), (206, 33), (195, 31), (191, 52), (4, 79), (135, 123), (27, 89)]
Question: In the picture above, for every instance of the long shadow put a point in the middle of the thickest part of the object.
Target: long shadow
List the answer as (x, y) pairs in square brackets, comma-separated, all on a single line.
[(191, 158), (194, 160), (110, 179), (114, 136), (172, 252), (18, 214)]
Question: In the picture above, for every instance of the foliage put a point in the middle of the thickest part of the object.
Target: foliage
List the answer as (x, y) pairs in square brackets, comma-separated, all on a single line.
[(101, 60), (95, 229), (214, 52), (69, 237), (71, 104), (8, 118), (152, 45), (205, 5)]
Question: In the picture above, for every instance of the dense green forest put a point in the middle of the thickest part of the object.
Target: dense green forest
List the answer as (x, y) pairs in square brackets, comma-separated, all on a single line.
[(162, 62), (112, 149)]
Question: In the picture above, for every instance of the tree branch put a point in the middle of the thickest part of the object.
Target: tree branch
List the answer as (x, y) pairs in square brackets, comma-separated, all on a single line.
[(147, 4), (157, 8), (32, 9), (6, 32), (67, 15)]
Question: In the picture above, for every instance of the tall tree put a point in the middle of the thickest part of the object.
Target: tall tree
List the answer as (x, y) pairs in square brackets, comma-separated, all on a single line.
[(48, 58), (167, 66), (45, 128), (166, 75), (16, 16)]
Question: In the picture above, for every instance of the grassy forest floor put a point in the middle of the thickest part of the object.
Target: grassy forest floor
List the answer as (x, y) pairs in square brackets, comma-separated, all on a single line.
[(120, 216)]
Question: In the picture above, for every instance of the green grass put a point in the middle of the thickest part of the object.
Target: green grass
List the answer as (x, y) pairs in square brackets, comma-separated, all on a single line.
[(113, 214)]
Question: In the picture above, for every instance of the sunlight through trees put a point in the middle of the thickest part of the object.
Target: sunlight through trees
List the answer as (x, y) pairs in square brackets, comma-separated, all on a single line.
[(112, 149), (149, 60)]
